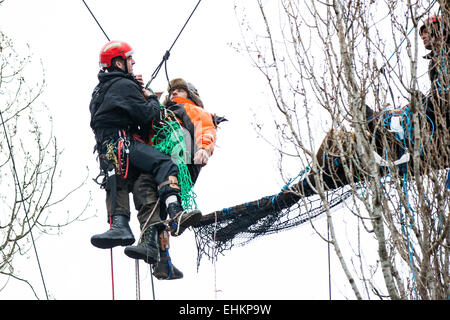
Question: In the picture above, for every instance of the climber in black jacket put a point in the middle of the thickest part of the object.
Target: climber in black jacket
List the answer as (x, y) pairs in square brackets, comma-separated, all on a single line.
[(119, 108)]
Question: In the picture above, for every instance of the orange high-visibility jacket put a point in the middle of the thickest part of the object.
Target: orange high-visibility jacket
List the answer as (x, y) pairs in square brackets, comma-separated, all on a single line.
[(198, 122)]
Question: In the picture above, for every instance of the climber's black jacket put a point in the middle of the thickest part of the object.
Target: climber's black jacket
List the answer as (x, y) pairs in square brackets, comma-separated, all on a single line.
[(118, 103)]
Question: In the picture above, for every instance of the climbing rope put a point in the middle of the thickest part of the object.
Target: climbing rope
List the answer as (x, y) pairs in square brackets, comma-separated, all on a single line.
[(167, 53), (98, 23)]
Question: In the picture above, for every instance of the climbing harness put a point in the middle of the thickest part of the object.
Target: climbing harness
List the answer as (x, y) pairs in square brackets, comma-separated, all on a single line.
[(118, 153)]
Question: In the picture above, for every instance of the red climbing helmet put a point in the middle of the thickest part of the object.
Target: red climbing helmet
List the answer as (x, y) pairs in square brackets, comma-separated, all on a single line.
[(430, 21), (112, 50)]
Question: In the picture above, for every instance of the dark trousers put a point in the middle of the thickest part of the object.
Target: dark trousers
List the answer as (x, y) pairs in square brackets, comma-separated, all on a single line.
[(145, 198), (147, 159), (155, 168)]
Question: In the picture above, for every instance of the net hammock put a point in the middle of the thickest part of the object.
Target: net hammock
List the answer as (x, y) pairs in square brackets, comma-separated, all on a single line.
[(238, 225)]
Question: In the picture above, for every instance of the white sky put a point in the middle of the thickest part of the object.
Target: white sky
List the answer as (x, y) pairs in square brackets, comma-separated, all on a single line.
[(290, 265)]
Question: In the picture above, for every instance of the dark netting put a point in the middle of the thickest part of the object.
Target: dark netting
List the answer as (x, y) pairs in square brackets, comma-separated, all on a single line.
[(238, 225)]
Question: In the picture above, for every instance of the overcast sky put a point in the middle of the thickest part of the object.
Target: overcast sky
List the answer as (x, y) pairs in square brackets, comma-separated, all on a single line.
[(290, 265)]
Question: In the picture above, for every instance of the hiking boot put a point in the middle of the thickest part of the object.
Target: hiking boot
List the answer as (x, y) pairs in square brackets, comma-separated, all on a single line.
[(165, 270), (147, 248), (180, 219), (119, 234)]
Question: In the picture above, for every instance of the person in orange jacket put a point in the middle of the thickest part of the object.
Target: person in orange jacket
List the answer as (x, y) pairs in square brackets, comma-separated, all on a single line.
[(183, 103)]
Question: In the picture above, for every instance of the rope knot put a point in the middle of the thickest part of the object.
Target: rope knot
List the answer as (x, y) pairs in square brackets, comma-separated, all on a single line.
[(166, 55)]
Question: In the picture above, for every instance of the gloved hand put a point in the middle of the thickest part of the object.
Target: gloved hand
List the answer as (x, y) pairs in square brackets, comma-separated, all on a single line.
[(201, 157)]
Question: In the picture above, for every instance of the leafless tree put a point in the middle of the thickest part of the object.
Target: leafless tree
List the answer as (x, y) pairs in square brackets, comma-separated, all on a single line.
[(325, 62), (28, 163)]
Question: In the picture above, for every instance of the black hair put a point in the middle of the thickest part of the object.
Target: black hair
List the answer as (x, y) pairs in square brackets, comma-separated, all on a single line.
[(113, 67)]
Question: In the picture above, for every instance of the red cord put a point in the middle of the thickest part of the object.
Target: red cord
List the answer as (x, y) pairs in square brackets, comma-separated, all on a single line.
[(126, 169), (119, 151)]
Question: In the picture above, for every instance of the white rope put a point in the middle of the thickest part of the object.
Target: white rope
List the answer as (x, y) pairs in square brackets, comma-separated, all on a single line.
[(138, 280)]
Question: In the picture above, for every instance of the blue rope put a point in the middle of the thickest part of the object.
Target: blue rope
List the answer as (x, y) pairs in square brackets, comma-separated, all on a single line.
[(448, 180), (226, 211), (407, 35), (406, 124), (169, 262)]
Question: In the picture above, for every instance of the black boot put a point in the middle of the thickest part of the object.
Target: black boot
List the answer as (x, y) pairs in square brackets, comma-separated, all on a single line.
[(119, 234), (165, 270), (180, 219), (147, 248)]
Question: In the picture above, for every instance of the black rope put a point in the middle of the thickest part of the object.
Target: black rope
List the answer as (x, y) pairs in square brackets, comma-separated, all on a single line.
[(155, 73), (167, 54), (16, 177), (96, 20)]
